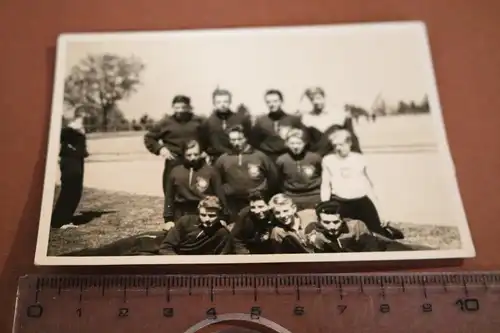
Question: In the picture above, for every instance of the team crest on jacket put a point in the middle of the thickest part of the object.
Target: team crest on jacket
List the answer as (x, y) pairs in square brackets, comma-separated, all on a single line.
[(253, 170), (308, 170), (201, 184)]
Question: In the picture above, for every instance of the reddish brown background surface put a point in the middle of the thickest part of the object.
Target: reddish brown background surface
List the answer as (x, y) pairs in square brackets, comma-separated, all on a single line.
[(464, 37)]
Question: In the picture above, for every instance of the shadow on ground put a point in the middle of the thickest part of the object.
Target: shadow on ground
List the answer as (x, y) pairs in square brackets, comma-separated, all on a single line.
[(87, 216)]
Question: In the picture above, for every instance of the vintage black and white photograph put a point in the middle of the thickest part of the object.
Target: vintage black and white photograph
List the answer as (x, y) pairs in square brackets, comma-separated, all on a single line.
[(249, 145)]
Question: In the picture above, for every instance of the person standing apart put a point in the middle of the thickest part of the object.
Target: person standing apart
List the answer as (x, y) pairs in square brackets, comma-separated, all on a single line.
[(72, 153), (270, 130), (168, 136), (215, 138)]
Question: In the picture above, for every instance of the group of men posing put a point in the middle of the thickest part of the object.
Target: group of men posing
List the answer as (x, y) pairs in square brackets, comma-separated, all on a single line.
[(275, 184)]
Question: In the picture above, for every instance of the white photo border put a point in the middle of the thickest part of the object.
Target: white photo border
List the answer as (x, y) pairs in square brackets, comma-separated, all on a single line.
[(467, 249)]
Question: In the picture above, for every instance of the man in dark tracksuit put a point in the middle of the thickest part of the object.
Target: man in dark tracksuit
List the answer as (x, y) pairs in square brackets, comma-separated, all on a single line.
[(215, 127), (300, 171), (334, 233), (72, 153), (252, 229), (244, 170), (269, 131), (190, 182), (205, 233), (166, 138)]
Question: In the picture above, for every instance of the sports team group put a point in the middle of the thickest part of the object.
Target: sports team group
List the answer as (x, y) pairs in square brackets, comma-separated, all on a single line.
[(275, 183)]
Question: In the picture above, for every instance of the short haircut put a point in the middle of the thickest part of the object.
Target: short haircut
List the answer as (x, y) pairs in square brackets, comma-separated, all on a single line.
[(256, 196), (210, 202), (341, 134), (81, 110), (181, 99), (310, 92), (331, 207), (188, 145), (236, 128), (280, 199), (274, 92), (221, 92), (296, 133)]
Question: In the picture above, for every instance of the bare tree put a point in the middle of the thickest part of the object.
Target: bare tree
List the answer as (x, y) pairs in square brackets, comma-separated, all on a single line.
[(100, 80)]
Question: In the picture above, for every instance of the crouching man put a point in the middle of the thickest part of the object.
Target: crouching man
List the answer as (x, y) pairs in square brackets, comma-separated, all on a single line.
[(252, 229), (205, 233), (188, 183), (288, 236), (333, 233)]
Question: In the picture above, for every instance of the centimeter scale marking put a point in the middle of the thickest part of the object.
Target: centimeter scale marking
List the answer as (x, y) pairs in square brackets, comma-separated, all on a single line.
[(409, 302)]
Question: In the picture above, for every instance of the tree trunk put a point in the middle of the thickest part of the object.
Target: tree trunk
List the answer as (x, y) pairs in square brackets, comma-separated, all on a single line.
[(105, 113)]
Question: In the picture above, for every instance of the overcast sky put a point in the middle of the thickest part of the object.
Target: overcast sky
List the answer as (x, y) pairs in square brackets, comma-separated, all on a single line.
[(352, 65)]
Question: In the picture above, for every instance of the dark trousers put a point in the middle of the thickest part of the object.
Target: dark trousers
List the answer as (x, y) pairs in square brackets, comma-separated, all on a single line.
[(72, 170), (143, 244), (234, 206), (361, 209), (306, 201), (273, 156), (169, 165)]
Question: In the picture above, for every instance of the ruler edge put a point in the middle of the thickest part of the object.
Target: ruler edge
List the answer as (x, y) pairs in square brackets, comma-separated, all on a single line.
[(31, 281)]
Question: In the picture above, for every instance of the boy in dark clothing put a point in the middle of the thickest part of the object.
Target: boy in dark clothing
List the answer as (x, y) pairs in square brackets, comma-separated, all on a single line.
[(252, 230), (300, 171), (190, 182), (72, 153), (167, 137), (215, 127), (205, 233), (243, 171), (269, 131)]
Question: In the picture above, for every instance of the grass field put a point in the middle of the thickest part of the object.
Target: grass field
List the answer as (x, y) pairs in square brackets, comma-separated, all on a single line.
[(105, 216)]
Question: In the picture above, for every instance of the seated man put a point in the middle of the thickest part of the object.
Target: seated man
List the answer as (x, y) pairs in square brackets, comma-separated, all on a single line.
[(205, 233), (345, 179), (288, 235), (300, 171), (252, 230), (188, 183)]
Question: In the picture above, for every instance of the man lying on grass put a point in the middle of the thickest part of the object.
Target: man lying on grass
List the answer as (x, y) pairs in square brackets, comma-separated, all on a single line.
[(333, 233), (252, 228), (205, 233), (276, 227)]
